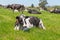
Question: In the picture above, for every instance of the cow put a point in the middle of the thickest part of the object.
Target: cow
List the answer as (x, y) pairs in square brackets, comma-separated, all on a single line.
[(16, 7), (33, 11), (55, 11), (26, 22)]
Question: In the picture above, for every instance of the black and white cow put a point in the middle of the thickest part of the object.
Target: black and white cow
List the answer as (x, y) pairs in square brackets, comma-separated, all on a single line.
[(16, 7), (23, 21), (55, 11), (33, 11)]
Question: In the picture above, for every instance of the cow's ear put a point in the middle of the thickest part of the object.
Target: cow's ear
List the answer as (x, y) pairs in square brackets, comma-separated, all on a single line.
[(17, 17)]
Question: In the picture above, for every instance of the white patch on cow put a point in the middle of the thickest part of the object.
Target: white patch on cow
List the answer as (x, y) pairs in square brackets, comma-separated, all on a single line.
[(41, 24), (51, 10), (28, 24), (16, 27), (22, 16), (15, 10)]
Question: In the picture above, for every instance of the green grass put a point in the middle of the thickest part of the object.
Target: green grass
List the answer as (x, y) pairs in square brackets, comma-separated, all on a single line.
[(51, 22)]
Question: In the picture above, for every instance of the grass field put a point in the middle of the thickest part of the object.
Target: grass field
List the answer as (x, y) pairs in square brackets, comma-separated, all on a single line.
[(51, 22)]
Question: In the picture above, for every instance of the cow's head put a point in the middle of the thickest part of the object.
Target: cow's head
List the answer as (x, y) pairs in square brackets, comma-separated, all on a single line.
[(19, 22)]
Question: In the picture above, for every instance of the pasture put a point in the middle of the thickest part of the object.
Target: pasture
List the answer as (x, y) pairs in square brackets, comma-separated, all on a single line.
[(51, 22)]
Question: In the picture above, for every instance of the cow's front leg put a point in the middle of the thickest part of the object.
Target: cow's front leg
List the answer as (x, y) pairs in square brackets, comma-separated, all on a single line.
[(16, 27)]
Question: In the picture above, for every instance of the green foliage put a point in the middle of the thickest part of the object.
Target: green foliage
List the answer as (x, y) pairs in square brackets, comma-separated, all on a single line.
[(51, 22), (42, 3)]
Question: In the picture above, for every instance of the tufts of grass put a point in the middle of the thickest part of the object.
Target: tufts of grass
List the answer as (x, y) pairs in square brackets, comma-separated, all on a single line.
[(51, 22)]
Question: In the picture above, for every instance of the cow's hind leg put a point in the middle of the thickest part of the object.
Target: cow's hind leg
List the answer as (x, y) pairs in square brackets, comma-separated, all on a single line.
[(41, 25)]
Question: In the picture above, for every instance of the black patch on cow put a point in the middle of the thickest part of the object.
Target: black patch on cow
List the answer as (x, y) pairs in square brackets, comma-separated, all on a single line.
[(26, 17), (33, 11), (34, 20)]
